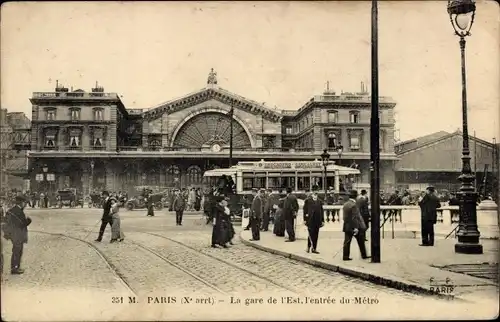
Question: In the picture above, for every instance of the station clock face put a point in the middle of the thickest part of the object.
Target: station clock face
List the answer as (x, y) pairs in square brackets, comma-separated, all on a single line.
[(216, 148)]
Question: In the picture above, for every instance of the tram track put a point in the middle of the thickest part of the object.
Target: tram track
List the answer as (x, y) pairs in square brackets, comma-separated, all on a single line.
[(103, 256), (246, 271)]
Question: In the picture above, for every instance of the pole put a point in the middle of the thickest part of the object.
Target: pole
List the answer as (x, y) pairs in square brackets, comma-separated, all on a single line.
[(468, 234), (374, 142), (231, 138), (324, 184), (475, 161)]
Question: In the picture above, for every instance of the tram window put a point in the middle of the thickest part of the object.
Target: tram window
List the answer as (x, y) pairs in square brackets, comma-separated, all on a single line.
[(247, 183), (304, 183), (288, 182), (274, 182), (259, 182)]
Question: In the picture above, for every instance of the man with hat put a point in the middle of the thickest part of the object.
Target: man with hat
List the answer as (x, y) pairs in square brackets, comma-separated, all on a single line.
[(107, 217), (290, 209), (314, 219), (354, 226), (428, 210), (179, 205), (16, 230), (256, 214), (217, 214)]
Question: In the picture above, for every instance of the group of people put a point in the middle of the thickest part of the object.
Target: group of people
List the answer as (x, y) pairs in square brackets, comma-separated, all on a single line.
[(111, 217)]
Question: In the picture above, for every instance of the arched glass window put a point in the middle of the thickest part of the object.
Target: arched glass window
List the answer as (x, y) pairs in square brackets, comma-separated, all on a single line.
[(193, 175)]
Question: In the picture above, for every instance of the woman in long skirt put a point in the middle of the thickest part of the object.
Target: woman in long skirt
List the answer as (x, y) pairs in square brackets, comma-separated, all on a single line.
[(279, 220), (116, 231)]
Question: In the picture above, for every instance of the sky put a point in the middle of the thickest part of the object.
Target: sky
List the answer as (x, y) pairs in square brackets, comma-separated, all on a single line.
[(280, 53)]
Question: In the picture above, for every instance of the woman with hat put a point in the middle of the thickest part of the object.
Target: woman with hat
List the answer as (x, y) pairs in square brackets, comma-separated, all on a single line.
[(116, 231), (279, 220)]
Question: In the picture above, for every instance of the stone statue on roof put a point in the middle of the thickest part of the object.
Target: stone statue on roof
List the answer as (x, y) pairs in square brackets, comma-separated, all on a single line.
[(212, 77)]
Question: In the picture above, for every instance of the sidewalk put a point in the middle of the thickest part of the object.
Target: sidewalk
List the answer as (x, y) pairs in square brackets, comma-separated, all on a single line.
[(404, 264)]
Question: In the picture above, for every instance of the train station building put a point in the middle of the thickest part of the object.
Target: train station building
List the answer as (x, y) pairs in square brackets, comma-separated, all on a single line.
[(90, 140)]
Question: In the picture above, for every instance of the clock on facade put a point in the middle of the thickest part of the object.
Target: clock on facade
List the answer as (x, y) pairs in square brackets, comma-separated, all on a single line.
[(216, 148)]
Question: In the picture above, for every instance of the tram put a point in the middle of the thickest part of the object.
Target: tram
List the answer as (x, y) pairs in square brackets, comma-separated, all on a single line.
[(301, 176)]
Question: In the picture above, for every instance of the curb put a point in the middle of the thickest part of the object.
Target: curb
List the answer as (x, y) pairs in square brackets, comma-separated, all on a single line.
[(379, 280)]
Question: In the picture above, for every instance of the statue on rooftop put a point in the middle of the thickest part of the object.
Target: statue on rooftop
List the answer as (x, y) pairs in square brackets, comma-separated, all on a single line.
[(212, 77)]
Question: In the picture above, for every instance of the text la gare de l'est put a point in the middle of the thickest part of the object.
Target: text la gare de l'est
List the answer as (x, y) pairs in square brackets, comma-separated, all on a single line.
[(303, 300)]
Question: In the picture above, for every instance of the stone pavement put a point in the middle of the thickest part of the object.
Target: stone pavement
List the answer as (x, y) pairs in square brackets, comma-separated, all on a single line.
[(404, 264)]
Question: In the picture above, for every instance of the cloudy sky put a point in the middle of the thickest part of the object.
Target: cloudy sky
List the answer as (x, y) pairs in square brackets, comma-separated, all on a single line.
[(281, 53)]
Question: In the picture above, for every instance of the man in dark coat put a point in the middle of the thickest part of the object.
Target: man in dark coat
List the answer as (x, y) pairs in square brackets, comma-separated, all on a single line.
[(268, 207), (290, 209), (362, 203), (149, 203), (248, 205), (314, 219), (106, 215), (179, 205), (428, 208), (256, 211), (354, 226), (16, 230)]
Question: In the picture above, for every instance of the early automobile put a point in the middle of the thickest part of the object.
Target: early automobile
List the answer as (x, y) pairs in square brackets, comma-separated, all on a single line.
[(68, 197), (140, 202), (95, 200)]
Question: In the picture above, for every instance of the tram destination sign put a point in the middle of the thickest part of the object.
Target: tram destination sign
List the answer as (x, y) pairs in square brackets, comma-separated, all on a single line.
[(291, 165)]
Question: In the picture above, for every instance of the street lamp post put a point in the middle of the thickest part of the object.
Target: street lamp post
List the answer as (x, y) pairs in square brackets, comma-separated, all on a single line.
[(325, 158), (45, 169), (462, 17), (91, 183)]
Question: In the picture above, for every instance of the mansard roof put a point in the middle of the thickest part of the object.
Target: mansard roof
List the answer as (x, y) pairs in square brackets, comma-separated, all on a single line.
[(219, 94)]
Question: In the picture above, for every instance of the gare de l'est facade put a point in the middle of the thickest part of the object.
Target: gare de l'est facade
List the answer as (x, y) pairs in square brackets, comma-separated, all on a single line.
[(91, 141)]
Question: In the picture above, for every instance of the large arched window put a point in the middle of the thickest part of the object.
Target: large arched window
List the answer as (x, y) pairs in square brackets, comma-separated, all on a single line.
[(193, 175), (172, 176)]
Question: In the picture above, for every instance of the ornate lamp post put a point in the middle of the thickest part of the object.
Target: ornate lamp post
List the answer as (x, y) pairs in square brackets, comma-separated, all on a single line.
[(325, 158), (462, 17)]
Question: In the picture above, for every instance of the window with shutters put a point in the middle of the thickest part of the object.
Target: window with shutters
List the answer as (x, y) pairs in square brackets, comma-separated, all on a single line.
[(333, 116), (354, 143), (74, 114), (354, 117), (98, 114), (50, 114), (98, 139)]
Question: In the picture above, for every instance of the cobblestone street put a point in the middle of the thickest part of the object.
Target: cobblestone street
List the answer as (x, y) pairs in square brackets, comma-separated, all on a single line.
[(158, 260)]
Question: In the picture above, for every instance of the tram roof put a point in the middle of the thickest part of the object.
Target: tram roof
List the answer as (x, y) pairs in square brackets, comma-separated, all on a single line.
[(285, 166)]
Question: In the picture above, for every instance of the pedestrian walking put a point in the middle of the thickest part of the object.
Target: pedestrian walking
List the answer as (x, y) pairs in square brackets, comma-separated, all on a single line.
[(256, 211), (362, 203), (116, 230), (314, 219), (107, 218), (217, 215), (354, 227), (290, 209), (179, 205), (429, 204), (149, 203), (15, 229)]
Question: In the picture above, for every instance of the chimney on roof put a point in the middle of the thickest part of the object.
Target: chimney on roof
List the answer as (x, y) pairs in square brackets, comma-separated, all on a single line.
[(97, 88), (327, 90), (60, 88)]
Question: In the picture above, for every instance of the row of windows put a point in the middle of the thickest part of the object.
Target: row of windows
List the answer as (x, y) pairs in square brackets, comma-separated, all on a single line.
[(74, 141), (333, 117), (173, 177), (75, 114)]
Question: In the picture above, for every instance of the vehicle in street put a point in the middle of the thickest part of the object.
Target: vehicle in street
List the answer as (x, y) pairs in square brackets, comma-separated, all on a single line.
[(68, 197), (278, 175), (139, 202), (95, 200)]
